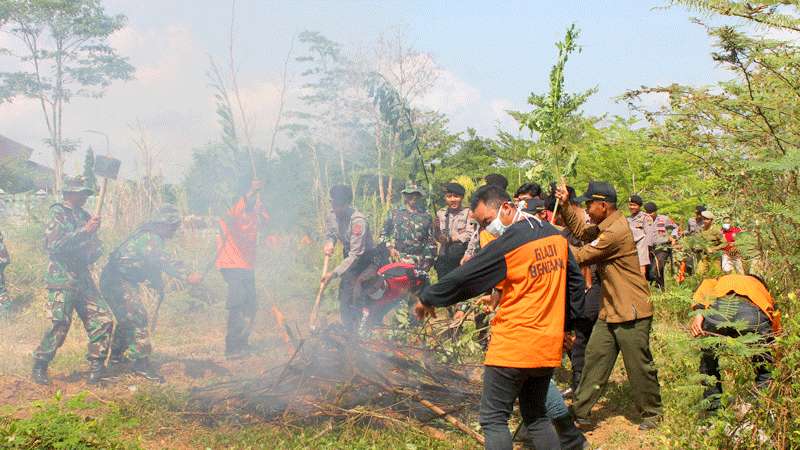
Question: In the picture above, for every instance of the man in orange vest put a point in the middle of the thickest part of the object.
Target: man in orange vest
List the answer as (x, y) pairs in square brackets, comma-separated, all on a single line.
[(530, 267), (718, 302), (236, 257)]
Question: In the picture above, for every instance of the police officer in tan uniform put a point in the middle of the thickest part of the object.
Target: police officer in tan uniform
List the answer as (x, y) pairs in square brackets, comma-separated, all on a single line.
[(349, 226), (452, 229), (626, 314)]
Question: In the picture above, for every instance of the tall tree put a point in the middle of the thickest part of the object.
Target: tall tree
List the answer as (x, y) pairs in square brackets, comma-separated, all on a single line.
[(65, 54), (556, 120)]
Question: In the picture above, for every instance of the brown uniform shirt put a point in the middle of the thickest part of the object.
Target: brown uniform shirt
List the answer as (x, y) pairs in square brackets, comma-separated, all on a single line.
[(626, 295)]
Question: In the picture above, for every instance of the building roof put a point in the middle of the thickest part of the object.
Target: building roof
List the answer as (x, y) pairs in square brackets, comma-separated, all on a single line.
[(11, 149)]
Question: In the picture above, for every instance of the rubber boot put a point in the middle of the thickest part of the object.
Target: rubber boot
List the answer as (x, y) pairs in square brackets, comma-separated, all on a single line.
[(143, 368), (97, 372), (569, 435), (39, 372)]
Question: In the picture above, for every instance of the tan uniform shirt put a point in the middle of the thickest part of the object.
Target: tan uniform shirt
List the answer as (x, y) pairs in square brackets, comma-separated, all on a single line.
[(453, 226), (626, 295), (643, 235), (354, 233)]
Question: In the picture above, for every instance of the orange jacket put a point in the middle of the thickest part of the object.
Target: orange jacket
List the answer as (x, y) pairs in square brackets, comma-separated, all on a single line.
[(238, 238), (531, 264), (742, 285)]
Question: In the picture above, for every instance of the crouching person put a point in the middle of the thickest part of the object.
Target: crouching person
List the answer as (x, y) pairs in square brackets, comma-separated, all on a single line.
[(140, 258), (721, 302), (383, 286), (530, 265)]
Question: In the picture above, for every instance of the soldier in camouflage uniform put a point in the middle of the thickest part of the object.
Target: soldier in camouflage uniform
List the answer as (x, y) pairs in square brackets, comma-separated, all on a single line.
[(5, 259), (140, 258), (408, 232), (72, 245)]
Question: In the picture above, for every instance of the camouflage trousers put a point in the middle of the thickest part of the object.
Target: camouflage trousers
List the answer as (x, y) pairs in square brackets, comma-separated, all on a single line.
[(93, 312), (132, 333), (5, 299)]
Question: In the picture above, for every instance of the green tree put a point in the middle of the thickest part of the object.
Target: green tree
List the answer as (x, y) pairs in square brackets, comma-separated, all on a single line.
[(742, 139), (66, 55), (88, 169), (556, 120)]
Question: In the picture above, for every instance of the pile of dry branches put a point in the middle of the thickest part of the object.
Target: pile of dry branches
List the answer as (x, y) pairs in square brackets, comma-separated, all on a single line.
[(334, 376)]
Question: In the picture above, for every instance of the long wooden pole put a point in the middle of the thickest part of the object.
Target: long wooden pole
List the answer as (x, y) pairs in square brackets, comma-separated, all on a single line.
[(312, 321), (98, 209)]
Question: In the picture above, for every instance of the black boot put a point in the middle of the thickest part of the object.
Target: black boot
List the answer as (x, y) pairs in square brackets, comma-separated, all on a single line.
[(569, 435), (97, 372), (39, 372), (143, 368)]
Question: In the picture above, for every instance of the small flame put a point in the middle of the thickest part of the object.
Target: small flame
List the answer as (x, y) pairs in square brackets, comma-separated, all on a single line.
[(281, 324)]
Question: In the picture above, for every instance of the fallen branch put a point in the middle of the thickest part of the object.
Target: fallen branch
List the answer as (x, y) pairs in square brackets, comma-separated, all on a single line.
[(437, 410)]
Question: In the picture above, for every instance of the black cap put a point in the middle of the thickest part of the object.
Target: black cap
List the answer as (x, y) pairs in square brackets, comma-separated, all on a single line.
[(650, 207), (699, 208), (497, 180), (341, 195), (636, 199), (454, 188), (599, 191), (536, 205)]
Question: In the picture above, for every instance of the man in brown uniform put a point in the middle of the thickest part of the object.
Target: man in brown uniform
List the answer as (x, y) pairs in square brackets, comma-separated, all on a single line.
[(626, 313)]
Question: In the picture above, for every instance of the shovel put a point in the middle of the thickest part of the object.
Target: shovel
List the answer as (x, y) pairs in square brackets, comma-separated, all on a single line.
[(108, 168), (312, 322)]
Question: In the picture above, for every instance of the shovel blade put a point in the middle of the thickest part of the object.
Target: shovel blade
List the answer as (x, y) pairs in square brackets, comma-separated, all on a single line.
[(106, 167)]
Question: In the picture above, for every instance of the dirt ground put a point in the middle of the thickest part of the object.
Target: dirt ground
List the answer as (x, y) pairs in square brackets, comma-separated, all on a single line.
[(188, 350)]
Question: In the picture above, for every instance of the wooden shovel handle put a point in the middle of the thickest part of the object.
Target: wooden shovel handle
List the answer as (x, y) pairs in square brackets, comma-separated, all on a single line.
[(312, 321), (98, 209)]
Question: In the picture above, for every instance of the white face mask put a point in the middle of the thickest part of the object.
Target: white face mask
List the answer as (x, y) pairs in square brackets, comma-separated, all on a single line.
[(496, 228), (726, 226)]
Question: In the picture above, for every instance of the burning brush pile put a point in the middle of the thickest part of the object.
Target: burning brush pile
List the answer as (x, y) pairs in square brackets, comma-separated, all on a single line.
[(335, 376)]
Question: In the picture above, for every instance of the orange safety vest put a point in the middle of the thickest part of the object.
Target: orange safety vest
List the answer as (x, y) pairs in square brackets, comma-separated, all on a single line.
[(742, 285), (236, 245)]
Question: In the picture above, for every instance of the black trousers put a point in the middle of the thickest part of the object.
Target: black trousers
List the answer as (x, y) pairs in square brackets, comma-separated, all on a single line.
[(450, 258), (583, 330), (658, 261), (242, 306), (504, 385), (349, 306), (755, 322)]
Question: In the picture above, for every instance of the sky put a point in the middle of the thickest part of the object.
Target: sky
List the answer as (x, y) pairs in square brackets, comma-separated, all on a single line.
[(489, 55)]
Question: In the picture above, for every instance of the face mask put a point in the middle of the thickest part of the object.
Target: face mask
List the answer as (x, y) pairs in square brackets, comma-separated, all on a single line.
[(726, 226), (496, 228)]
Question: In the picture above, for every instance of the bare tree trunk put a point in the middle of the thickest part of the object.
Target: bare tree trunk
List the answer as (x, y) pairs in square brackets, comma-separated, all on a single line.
[(317, 192), (235, 86), (57, 102), (390, 187), (278, 119), (379, 149)]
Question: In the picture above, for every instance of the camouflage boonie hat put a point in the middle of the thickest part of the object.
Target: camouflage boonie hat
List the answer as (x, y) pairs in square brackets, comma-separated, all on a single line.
[(412, 188), (76, 185), (166, 215)]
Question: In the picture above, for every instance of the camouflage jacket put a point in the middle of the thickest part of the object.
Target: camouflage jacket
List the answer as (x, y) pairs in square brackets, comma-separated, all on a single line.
[(141, 258), (411, 234), (71, 249), (5, 259)]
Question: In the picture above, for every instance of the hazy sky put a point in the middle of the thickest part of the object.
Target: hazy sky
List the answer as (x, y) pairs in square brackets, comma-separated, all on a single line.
[(490, 56)]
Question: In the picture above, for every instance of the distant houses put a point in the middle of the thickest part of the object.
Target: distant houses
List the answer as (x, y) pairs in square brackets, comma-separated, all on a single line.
[(18, 172)]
